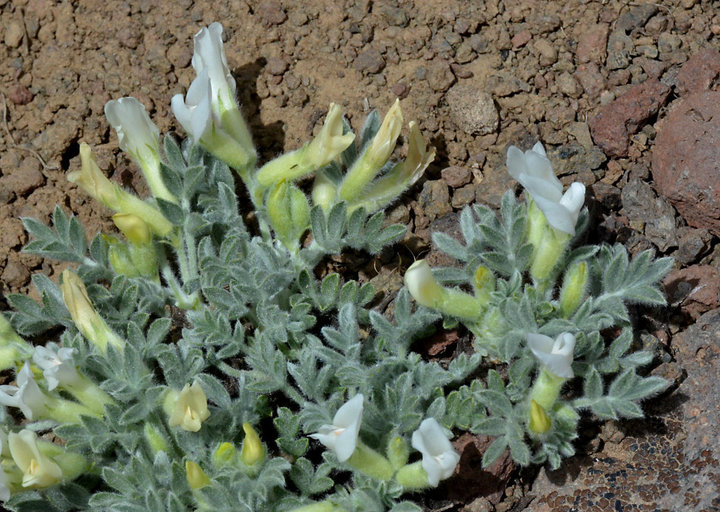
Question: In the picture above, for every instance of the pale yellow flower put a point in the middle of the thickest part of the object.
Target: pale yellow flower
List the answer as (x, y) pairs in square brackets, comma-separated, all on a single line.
[(37, 468), (190, 408)]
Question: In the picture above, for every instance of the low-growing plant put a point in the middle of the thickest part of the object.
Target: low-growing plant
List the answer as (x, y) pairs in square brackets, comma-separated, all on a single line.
[(198, 362)]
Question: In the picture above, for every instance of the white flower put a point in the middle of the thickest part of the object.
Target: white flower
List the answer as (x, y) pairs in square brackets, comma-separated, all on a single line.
[(26, 395), (342, 435), (57, 365), (209, 113), (438, 456), (194, 112), (138, 136), (533, 171), (209, 55), (38, 469), (556, 355)]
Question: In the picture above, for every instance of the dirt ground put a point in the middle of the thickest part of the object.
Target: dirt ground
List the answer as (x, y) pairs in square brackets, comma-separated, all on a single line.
[(477, 76)]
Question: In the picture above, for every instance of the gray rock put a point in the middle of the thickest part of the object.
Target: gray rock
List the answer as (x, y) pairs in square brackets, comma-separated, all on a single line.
[(434, 199), (692, 243), (619, 48), (636, 17), (473, 110), (640, 203)]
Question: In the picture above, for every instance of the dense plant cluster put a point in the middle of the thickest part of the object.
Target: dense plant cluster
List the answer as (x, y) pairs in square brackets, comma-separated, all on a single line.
[(198, 362)]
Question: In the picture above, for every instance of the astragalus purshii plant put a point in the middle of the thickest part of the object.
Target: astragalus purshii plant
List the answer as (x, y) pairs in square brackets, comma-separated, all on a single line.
[(197, 362)]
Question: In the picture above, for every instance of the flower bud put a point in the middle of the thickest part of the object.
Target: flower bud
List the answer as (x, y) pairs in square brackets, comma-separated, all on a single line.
[(573, 288), (428, 292), (252, 451), (484, 283), (289, 213), (83, 314), (96, 184), (422, 284), (387, 188), (133, 227), (324, 192), (328, 145), (398, 452), (155, 438), (539, 420), (196, 477), (224, 454)]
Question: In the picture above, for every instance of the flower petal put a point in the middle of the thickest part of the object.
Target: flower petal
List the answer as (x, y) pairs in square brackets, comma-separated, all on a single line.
[(556, 355), (439, 457)]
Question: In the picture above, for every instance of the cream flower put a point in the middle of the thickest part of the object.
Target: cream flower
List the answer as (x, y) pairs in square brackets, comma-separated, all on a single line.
[(422, 284), (331, 141), (190, 408), (534, 172), (38, 469), (91, 179), (556, 355), (209, 55), (387, 188), (342, 435), (374, 155), (438, 456), (83, 314)]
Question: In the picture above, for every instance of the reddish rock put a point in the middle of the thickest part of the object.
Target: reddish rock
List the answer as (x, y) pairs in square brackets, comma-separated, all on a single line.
[(590, 79), (521, 39), (400, 89), (686, 160), (21, 95), (592, 44), (455, 176), (694, 288), (15, 274), (470, 477), (700, 72), (440, 77), (622, 117), (271, 13), (24, 178)]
